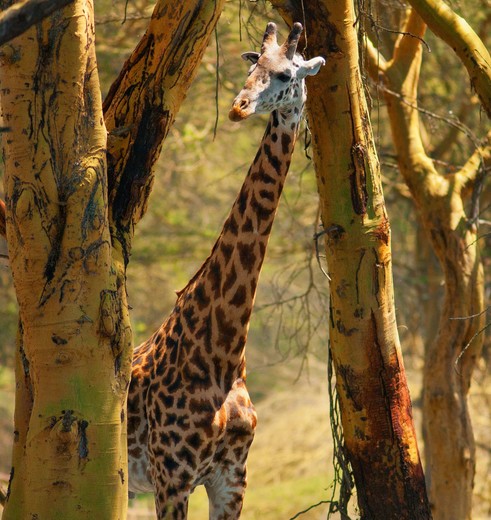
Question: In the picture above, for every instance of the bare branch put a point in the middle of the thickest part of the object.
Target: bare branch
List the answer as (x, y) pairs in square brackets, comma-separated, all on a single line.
[(375, 61), (477, 164), (459, 35), (17, 19)]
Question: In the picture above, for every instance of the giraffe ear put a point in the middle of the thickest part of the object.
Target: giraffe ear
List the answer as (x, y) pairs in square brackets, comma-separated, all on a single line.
[(251, 56), (311, 67)]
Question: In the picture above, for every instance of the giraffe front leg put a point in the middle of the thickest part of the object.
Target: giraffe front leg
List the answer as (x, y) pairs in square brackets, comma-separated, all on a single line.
[(226, 490), (172, 484), (227, 482), (171, 480), (171, 504)]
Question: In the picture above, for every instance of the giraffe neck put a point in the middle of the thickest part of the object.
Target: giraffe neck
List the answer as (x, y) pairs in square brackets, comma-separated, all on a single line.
[(218, 300)]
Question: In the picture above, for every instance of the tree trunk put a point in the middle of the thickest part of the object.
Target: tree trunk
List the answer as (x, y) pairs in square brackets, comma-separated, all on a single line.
[(371, 383), (69, 224), (75, 339), (450, 359)]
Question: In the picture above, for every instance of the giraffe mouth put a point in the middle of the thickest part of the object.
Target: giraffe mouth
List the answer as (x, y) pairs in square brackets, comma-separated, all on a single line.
[(238, 114)]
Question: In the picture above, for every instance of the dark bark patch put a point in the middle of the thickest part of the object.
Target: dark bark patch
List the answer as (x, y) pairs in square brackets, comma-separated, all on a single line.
[(343, 330), (83, 445), (382, 231), (359, 194), (57, 340)]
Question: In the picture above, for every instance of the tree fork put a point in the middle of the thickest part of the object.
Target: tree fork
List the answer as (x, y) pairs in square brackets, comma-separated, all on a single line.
[(371, 383), (140, 113)]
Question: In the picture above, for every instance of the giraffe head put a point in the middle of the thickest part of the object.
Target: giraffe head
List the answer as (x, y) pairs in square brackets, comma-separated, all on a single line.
[(276, 77)]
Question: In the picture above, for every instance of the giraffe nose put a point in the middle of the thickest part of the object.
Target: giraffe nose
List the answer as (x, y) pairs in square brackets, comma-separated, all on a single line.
[(239, 109)]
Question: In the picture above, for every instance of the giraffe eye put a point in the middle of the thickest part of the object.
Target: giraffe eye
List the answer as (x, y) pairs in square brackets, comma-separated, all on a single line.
[(284, 77)]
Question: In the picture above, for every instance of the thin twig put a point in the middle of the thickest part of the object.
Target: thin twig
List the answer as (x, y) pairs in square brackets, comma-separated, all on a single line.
[(125, 12), (471, 316), (313, 506), (457, 361), (126, 18), (376, 25), (217, 83)]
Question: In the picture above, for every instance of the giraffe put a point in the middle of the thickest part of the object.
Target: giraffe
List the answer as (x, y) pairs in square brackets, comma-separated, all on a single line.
[(190, 418)]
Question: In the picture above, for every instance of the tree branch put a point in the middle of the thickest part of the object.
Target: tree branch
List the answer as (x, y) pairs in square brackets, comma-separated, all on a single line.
[(472, 176), (17, 19), (459, 35), (408, 43), (401, 90), (375, 61), (139, 114)]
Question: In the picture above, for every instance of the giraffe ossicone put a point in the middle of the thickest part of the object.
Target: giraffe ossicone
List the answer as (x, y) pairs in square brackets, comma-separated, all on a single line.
[(190, 419)]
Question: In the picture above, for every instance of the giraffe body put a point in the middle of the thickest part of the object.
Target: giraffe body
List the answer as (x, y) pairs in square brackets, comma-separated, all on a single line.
[(190, 418)]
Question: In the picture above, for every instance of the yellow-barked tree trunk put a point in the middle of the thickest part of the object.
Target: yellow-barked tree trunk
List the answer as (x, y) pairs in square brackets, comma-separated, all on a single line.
[(376, 414)]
